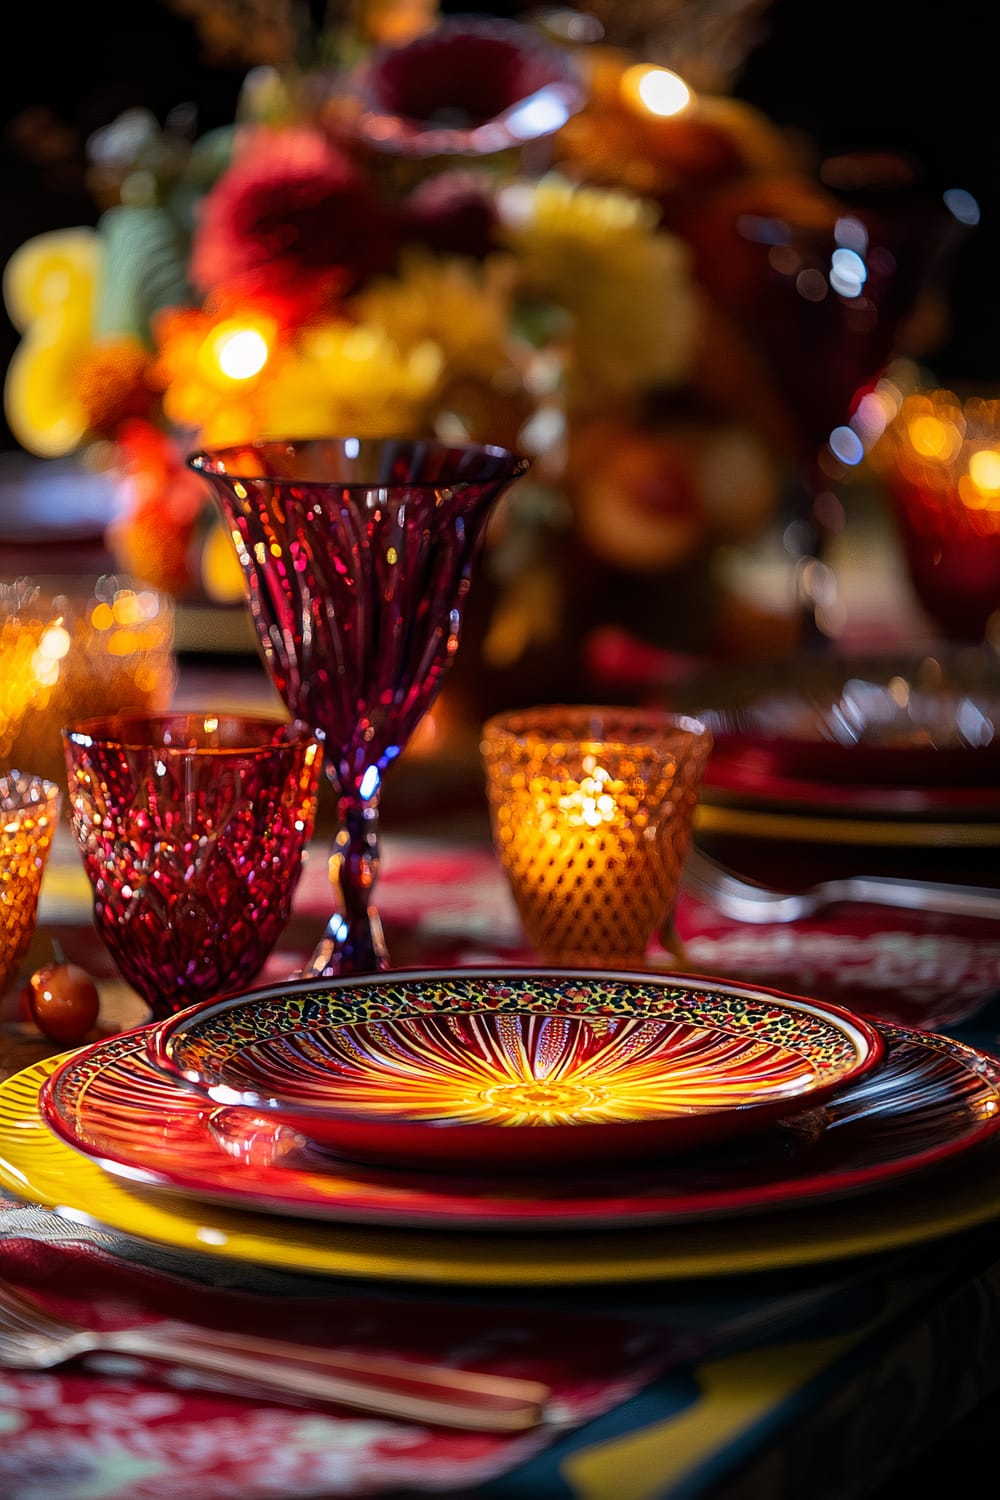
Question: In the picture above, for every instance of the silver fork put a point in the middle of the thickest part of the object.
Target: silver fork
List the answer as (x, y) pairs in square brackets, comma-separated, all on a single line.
[(32, 1338), (748, 901)]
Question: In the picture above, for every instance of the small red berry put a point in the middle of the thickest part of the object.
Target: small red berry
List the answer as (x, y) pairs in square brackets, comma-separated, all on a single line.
[(64, 1001)]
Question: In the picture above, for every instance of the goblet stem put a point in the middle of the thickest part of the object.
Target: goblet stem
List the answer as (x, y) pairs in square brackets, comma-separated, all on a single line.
[(352, 942)]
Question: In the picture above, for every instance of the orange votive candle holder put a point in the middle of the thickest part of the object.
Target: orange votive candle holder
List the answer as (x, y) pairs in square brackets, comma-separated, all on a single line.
[(592, 812)]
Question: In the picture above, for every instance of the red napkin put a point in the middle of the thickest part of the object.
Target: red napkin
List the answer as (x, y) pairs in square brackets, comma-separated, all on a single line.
[(910, 968), (141, 1438)]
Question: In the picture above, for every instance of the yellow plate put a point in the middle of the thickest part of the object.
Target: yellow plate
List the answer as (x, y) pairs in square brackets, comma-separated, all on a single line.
[(39, 1169)]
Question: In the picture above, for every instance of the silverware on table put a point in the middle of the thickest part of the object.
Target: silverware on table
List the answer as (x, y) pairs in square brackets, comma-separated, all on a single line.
[(31, 1338), (747, 900)]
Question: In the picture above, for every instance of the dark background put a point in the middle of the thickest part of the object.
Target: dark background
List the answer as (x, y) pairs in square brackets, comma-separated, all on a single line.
[(855, 75), (877, 74), (82, 66)]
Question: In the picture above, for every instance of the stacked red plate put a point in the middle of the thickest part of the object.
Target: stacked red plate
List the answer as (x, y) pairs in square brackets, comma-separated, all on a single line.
[(513, 1126), (521, 1070), (830, 766)]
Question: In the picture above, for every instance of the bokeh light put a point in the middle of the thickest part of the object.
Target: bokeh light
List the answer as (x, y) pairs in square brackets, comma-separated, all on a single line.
[(241, 352), (660, 91)]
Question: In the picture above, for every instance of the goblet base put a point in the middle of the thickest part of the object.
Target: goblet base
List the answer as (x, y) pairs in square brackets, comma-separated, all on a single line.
[(348, 948)]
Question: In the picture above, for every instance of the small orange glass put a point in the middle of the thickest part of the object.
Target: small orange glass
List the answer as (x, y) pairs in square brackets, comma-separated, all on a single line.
[(592, 813), (74, 647), (29, 812)]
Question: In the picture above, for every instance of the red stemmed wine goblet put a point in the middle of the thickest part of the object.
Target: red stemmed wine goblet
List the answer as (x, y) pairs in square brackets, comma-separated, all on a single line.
[(357, 555)]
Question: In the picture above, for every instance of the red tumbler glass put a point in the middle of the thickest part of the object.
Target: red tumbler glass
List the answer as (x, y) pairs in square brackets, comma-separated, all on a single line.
[(193, 829)]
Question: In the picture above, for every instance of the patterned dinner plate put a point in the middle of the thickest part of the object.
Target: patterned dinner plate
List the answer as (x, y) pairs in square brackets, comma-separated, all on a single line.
[(510, 1069), (38, 1168), (934, 1099)]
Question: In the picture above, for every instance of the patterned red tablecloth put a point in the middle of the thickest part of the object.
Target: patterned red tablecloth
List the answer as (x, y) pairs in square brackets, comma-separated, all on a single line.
[(112, 1428), (79, 1434)]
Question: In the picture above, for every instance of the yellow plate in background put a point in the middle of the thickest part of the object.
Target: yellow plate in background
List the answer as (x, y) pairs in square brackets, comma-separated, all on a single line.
[(39, 1169), (806, 828)]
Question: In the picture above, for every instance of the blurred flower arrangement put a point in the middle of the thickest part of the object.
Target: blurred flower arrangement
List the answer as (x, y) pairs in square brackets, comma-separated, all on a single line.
[(493, 230)]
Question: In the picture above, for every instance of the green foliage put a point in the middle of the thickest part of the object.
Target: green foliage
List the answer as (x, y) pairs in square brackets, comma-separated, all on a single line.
[(146, 251)]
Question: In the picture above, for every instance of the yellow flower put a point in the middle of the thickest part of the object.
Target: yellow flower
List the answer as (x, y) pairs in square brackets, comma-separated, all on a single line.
[(625, 284), (50, 288), (461, 308), (349, 378), (336, 376)]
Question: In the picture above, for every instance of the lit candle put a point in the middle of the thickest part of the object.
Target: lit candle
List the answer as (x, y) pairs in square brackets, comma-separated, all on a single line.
[(592, 832), (67, 656), (939, 457), (655, 91), (29, 807)]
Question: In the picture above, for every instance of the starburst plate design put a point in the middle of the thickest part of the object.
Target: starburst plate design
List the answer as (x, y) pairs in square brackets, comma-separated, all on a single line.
[(515, 1069)]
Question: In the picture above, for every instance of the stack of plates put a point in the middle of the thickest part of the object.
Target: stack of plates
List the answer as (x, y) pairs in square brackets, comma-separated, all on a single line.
[(825, 766), (512, 1126), (877, 764)]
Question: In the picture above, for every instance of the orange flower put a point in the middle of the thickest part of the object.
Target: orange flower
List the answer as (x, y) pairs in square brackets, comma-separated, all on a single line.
[(113, 384), (197, 392), (163, 502), (636, 499)]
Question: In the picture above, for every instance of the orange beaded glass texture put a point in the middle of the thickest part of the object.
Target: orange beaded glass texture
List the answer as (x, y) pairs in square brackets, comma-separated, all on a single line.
[(592, 812), (29, 811)]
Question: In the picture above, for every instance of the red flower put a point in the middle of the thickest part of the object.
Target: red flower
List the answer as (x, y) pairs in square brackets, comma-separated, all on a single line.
[(451, 213), (292, 224)]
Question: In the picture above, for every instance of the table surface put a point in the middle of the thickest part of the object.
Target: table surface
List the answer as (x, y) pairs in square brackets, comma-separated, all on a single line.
[(843, 1372)]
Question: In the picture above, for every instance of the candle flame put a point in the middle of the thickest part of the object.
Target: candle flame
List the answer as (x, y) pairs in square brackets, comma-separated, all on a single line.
[(590, 804)]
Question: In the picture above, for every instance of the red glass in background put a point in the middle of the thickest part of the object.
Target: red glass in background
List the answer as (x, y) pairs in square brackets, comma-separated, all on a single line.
[(192, 829), (357, 555), (821, 280), (939, 460), (470, 86)]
